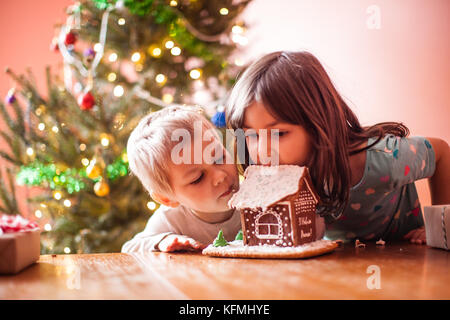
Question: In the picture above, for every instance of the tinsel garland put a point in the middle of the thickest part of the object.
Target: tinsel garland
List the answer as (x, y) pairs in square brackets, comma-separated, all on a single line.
[(47, 175), (71, 179)]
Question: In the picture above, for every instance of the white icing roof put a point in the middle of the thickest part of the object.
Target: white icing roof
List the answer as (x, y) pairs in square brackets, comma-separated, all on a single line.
[(266, 185)]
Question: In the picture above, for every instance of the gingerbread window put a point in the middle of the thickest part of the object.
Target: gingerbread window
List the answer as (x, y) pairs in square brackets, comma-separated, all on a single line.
[(268, 225)]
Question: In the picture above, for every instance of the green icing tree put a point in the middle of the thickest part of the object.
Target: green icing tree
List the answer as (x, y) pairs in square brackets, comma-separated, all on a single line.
[(220, 240)]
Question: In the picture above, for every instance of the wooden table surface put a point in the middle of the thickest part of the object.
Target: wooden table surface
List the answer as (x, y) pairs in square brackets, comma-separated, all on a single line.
[(401, 270)]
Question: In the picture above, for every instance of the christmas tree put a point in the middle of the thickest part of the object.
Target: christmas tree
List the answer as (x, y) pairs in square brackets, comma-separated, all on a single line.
[(121, 60)]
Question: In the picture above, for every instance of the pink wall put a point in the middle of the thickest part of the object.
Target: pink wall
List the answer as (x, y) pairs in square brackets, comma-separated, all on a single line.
[(399, 72), (26, 29)]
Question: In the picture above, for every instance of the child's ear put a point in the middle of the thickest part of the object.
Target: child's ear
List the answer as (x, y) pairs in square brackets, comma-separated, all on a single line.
[(164, 200)]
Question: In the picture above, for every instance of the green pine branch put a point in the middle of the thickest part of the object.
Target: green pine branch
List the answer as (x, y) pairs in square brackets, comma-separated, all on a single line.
[(8, 195)]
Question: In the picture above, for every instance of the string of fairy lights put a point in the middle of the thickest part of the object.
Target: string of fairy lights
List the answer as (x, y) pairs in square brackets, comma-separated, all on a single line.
[(71, 180)]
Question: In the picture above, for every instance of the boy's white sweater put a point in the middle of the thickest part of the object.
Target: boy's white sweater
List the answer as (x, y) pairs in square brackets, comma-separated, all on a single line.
[(180, 220)]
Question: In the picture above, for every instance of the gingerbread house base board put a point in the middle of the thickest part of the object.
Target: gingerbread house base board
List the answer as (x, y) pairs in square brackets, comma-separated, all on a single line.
[(237, 249)]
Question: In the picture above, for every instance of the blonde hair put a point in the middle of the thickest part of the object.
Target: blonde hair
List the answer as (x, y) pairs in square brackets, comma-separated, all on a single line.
[(149, 145)]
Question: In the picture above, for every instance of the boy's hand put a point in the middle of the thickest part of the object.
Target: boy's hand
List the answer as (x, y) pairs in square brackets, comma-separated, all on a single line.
[(417, 236), (174, 242)]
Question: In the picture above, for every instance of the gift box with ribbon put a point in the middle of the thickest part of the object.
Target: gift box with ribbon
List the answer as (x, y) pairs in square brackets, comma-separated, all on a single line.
[(19, 243), (437, 226)]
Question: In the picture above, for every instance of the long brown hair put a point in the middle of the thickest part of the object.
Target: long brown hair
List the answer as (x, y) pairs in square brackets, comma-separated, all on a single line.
[(295, 88)]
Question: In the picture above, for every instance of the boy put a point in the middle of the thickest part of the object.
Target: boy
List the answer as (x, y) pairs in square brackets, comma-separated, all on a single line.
[(193, 194)]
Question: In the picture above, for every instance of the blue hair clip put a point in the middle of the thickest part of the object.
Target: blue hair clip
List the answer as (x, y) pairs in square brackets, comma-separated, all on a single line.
[(218, 119)]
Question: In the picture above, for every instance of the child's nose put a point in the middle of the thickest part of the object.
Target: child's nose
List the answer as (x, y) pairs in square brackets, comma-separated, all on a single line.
[(264, 149), (219, 177)]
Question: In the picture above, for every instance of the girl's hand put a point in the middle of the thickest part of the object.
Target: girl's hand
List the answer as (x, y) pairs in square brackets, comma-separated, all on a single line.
[(175, 242), (417, 236)]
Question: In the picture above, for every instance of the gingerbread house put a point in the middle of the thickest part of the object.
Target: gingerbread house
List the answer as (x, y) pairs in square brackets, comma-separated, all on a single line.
[(277, 205)]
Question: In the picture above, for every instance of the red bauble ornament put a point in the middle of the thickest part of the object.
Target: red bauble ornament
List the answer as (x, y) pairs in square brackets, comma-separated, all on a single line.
[(71, 38), (86, 101)]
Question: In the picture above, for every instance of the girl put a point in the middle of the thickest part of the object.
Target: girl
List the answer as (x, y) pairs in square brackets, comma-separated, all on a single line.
[(364, 175)]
